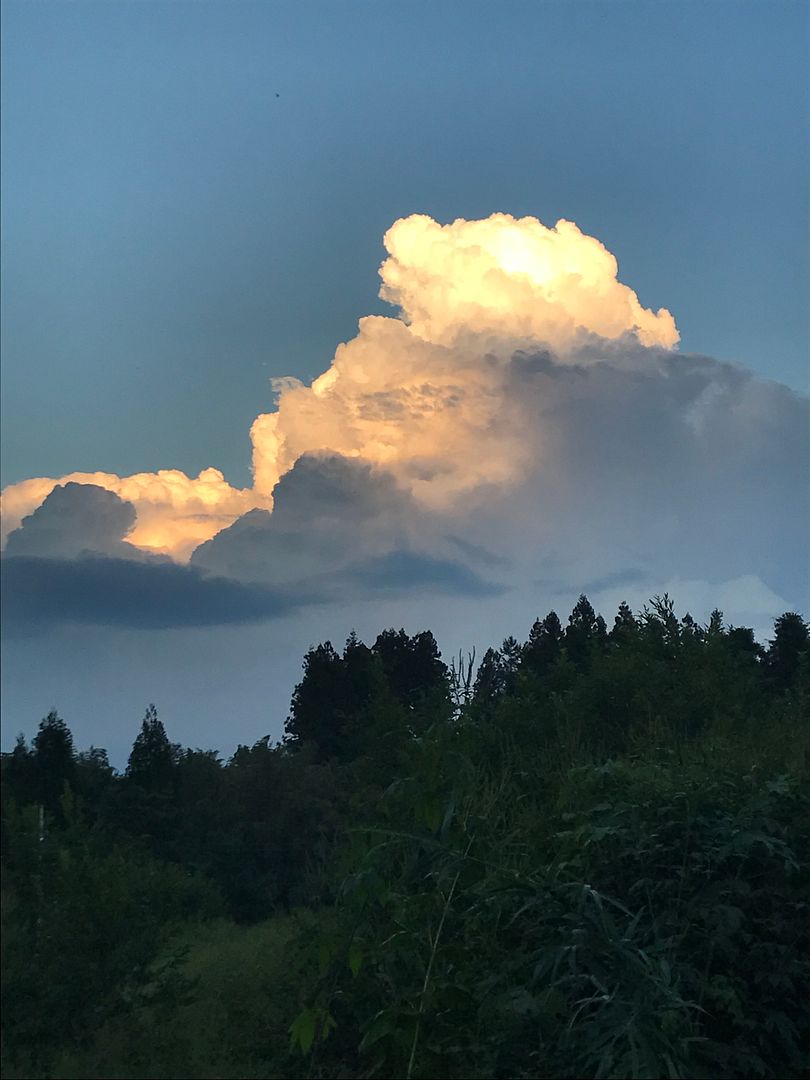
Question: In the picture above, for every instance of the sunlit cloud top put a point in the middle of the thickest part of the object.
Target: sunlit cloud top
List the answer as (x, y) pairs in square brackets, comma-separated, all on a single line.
[(513, 277)]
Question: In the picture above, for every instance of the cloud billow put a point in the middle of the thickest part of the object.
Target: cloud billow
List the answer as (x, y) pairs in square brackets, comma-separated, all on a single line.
[(523, 414), (76, 519)]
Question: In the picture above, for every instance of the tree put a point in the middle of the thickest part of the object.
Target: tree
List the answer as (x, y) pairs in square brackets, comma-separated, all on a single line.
[(511, 658), (544, 646), (319, 706), (413, 667), (584, 632), (490, 679), (19, 773), (54, 762), (152, 762), (94, 778), (790, 641), (625, 627)]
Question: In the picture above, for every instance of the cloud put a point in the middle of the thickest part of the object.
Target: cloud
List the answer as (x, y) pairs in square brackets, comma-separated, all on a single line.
[(329, 538), (174, 512), (522, 412), (417, 394), (411, 571), (75, 519), (328, 512), (511, 278), (40, 593)]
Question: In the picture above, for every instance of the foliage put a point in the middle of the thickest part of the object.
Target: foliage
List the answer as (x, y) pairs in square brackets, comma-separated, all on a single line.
[(591, 860)]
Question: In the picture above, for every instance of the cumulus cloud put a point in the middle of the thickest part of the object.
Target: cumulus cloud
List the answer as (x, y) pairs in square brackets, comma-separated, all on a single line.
[(75, 519), (341, 529), (511, 278), (422, 394), (328, 511), (174, 512), (523, 414), (418, 394)]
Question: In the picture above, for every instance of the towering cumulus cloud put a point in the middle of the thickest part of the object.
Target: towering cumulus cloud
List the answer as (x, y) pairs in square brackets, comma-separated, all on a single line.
[(521, 410), (422, 394)]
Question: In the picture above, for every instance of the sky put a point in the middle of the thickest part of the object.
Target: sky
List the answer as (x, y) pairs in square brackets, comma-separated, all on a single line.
[(197, 200)]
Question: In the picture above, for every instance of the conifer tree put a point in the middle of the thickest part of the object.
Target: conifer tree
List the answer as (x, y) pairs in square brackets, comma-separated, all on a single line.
[(790, 642), (153, 758), (54, 761), (544, 645), (583, 633), (625, 626)]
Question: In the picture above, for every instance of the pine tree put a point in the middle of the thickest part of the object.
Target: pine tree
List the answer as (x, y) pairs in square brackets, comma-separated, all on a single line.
[(413, 667), (317, 710), (583, 633), (790, 642), (544, 646), (152, 761), (54, 762), (20, 773), (625, 627), (490, 679)]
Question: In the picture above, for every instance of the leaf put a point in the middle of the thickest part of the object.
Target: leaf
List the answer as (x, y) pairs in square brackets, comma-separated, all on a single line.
[(302, 1030), (380, 1026), (355, 959)]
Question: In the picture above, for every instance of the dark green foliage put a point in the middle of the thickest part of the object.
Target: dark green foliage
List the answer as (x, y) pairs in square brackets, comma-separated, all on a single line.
[(54, 764), (545, 644), (413, 668), (232, 1020), (489, 680), (625, 626), (153, 759), (82, 926), (333, 707), (595, 864), (791, 642), (586, 631)]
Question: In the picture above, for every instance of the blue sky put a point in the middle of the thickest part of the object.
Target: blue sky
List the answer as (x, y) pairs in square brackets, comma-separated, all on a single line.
[(175, 233), (194, 200)]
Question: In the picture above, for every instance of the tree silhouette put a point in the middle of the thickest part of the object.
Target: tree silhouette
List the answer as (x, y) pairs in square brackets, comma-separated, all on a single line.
[(790, 642), (584, 632), (54, 762), (317, 710), (152, 761), (625, 627), (413, 667), (544, 646)]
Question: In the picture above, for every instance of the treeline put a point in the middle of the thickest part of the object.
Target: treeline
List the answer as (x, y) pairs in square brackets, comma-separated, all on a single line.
[(589, 857)]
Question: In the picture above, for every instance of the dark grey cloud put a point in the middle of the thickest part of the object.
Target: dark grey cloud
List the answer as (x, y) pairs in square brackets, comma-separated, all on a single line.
[(644, 467), (407, 570), (39, 593), (677, 465), (74, 519), (334, 488), (641, 466), (318, 540), (328, 512), (476, 552), (615, 579)]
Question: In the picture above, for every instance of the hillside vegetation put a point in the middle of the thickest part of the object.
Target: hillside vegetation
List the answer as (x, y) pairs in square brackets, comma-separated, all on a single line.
[(589, 858)]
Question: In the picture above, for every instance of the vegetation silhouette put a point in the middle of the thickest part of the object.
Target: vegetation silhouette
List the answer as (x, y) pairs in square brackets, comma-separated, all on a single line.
[(591, 859)]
